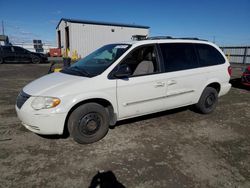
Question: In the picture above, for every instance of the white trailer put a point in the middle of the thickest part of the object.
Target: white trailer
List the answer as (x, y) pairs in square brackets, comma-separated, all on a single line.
[(84, 36)]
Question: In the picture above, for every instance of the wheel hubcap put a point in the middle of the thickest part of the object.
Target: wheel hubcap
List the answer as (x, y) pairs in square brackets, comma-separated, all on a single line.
[(90, 124), (210, 100)]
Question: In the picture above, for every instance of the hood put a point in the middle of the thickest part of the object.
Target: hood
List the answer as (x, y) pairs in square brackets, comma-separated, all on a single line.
[(51, 84)]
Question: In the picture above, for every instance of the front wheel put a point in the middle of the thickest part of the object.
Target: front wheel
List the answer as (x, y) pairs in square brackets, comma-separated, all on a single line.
[(88, 123), (36, 60), (208, 101)]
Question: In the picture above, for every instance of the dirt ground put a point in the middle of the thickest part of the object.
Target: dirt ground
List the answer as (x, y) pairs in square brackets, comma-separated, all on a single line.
[(177, 148)]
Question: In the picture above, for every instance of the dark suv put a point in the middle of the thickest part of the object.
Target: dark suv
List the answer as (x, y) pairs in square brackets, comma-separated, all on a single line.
[(19, 54)]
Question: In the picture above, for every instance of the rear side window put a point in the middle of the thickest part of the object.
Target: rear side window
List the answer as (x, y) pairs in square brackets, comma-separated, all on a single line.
[(19, 50), (208, 55), (179, 56)]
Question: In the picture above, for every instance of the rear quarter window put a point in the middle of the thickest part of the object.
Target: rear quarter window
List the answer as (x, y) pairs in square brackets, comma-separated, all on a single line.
[(208, 55)]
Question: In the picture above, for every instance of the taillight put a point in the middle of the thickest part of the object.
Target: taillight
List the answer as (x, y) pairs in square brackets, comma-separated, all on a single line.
[(229, 69), (247, 70)]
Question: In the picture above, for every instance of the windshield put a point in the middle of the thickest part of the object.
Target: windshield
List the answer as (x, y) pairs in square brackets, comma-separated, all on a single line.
[(98, 61)]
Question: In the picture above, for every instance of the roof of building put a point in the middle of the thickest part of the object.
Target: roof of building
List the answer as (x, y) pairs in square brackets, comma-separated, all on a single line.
[(101, 23), (3, 37)]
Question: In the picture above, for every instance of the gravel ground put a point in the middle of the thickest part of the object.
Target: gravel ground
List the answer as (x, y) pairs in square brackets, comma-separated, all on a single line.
[(177, 148)]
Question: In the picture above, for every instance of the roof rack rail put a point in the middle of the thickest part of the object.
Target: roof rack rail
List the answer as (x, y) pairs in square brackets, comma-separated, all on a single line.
[(190, 38), (169, 37), (159, 37)]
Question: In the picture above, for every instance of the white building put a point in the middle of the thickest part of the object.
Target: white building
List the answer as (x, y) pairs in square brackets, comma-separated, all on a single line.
[(85, 36)]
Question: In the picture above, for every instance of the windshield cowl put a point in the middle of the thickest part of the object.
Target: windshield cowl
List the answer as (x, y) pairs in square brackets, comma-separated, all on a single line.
[(76, 71)]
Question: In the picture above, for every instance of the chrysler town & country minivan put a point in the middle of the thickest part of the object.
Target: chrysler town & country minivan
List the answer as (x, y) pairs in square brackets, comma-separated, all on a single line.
[(125, 80)]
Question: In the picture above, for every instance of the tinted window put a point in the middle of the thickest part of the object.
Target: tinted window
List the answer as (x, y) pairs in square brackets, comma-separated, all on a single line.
[(7, 49), (208, 55), (19, 50), (179, 56)]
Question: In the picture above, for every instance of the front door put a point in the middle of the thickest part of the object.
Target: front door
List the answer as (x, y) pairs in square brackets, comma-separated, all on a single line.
[(144, 90)]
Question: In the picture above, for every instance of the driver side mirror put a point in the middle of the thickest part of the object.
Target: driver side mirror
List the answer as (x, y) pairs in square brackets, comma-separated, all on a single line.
[(123, 71)]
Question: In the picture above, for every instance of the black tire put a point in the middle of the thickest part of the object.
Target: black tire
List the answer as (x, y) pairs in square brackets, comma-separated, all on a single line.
[(36, 60), (88, 123), (1, 60), (208, 101)]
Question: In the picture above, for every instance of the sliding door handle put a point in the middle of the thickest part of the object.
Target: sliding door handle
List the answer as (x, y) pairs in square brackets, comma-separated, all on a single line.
[(159, 84), (172, 82)]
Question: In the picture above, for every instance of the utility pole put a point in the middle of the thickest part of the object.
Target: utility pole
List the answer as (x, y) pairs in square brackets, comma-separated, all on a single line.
[(2, 28), (213, 39)]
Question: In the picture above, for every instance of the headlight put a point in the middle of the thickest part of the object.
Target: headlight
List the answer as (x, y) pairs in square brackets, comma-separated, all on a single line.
[(44, 103)]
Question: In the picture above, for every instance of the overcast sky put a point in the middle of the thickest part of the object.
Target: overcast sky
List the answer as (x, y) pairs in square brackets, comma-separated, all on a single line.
[(225, 21)]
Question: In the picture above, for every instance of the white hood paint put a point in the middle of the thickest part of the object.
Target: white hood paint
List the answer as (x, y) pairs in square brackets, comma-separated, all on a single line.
[(51, 82)]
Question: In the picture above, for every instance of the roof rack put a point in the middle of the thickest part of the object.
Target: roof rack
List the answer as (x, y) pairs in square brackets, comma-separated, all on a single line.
[(159, 37), (191, 38), (169, 37)]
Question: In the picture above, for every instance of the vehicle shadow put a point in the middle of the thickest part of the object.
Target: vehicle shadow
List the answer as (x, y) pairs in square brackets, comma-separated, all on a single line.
[(21, 62), (65, 135), (105, 180), (152, 116), (236, 83)]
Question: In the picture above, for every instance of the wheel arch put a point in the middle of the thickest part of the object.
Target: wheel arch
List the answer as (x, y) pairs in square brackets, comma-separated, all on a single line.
[(215, 85), (105, 103)]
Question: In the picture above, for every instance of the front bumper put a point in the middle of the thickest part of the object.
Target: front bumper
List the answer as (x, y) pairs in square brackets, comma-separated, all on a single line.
[(44, 122)]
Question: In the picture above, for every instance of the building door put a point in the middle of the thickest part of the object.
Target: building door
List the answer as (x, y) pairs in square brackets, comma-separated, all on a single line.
[(67, 38), (59, 39)]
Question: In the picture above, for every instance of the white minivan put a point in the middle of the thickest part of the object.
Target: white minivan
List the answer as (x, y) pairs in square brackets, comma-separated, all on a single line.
[(125, 80)]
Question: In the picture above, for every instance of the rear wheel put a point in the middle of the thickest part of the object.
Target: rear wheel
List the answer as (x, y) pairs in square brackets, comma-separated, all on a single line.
[(208, 101), (88, 123)]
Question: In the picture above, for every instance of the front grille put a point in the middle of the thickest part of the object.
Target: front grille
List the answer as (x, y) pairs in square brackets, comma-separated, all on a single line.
[(21, 99)]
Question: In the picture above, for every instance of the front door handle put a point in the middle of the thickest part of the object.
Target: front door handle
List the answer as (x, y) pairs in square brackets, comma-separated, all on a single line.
[(172, 82)]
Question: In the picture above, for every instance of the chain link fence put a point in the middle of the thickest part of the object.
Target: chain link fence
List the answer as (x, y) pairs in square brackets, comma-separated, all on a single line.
[(237, 54)]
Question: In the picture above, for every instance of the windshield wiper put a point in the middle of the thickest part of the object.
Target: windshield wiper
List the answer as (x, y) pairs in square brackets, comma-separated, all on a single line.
[(80, 72)]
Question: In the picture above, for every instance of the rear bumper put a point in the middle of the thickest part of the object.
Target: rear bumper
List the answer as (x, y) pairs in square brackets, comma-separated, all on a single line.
[(225, 88), (245, 79), (246, 83)]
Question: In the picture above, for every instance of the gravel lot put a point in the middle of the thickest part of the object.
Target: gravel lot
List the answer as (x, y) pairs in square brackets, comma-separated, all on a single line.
[(177, 148)]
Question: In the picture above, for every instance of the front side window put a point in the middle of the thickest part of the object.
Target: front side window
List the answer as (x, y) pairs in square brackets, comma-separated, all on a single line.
[(178, 56), (98, 61), (142, 61), (208, 55)]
